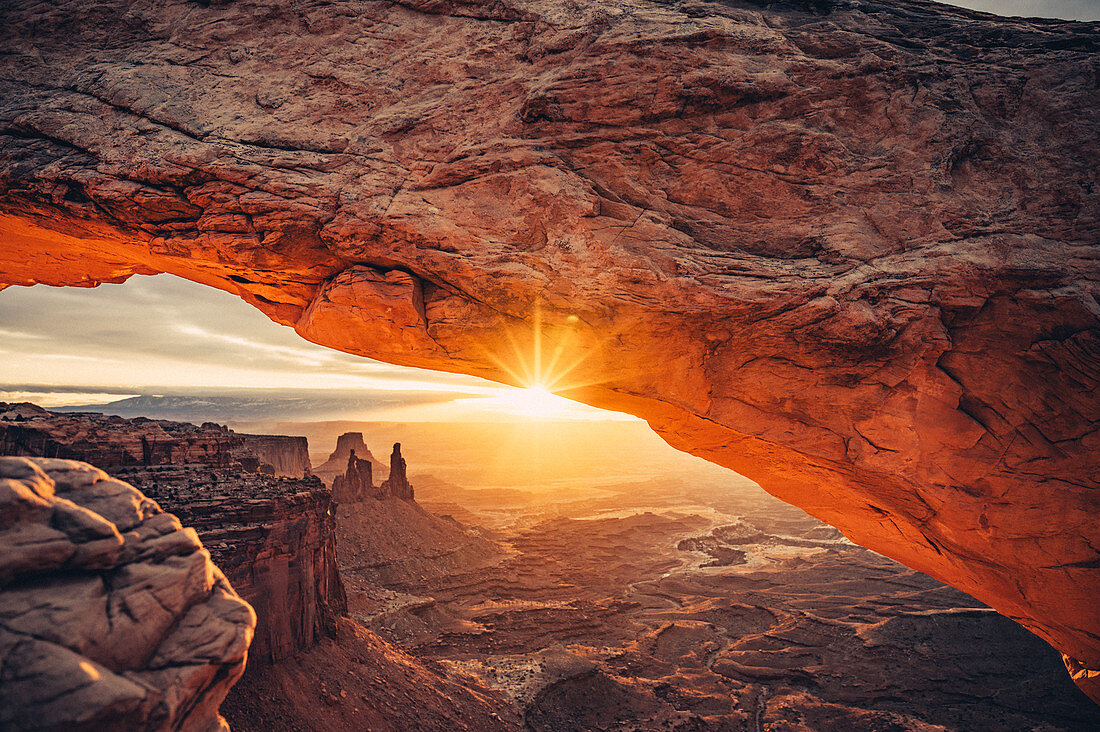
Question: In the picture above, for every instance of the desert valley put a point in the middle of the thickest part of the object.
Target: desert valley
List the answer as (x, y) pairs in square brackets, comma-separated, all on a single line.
[(633, 588)]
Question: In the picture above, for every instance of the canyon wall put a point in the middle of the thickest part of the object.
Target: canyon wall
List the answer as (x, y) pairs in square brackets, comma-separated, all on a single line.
[(118, 441), (26, 429), (111, 614), (274, 537), (287, 456), (279, 552), (848, 249)]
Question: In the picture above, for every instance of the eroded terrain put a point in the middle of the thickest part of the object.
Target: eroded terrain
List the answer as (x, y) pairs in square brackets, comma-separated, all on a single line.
[(670, 605)]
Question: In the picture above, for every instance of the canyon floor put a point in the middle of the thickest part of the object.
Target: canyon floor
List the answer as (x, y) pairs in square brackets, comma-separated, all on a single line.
[(687, 602)]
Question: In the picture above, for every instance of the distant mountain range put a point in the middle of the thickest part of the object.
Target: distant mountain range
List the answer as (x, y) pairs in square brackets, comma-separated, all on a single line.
[(264, 406)]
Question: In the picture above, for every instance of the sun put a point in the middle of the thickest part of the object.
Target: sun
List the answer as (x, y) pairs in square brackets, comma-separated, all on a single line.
[(545, 369), (537, 402)]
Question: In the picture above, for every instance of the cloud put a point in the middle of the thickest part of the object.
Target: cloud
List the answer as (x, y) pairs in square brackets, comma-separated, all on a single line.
[(297, 356), (165, 335), (165, 330), (9, 334)]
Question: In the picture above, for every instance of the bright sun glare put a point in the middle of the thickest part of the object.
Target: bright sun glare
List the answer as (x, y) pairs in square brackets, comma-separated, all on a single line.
[(540, 377), (536, 401)]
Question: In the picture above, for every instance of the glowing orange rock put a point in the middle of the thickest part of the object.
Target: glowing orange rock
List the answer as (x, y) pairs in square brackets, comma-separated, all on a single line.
[(848, 250)]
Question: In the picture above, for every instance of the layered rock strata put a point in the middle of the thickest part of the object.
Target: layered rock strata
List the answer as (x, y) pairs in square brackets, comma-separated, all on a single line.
[(107, 441), (273, 536), (847, 249), (276, 541), (27, 429), (112, 615), (284, 455)]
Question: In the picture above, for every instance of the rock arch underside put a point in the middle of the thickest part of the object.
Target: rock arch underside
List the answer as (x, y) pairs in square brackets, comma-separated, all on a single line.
[(846, 248)]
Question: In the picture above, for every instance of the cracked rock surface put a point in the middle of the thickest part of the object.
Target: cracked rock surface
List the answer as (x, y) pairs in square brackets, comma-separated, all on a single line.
[(848, 249), (112, 615)]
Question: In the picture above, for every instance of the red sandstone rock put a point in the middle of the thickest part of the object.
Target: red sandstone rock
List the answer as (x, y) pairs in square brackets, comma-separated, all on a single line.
[(26, 429), (113, 616), (356, 484), (287, 456), (275, 537), (397, 485), (110, 441), (278, 548), (360, 682), (846, 249)]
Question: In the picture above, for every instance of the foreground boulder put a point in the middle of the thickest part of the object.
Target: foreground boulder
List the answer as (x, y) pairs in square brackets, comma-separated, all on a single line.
[(274, 536), (848, 249), (112, 615)]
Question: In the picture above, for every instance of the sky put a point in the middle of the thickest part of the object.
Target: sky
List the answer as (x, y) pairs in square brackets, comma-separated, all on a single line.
[(1066, 9), (165, 335)]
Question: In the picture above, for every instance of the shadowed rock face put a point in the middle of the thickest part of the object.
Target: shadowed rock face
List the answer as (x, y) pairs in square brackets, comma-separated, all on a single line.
[(356, 483), (276, 541), (286, 455), (846, 249), (112, 615)]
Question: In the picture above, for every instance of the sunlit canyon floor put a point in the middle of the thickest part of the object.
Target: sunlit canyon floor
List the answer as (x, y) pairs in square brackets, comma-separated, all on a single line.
[(687, 601)]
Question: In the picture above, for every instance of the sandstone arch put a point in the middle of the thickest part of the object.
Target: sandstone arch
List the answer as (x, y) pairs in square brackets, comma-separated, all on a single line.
[(848, 249)]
